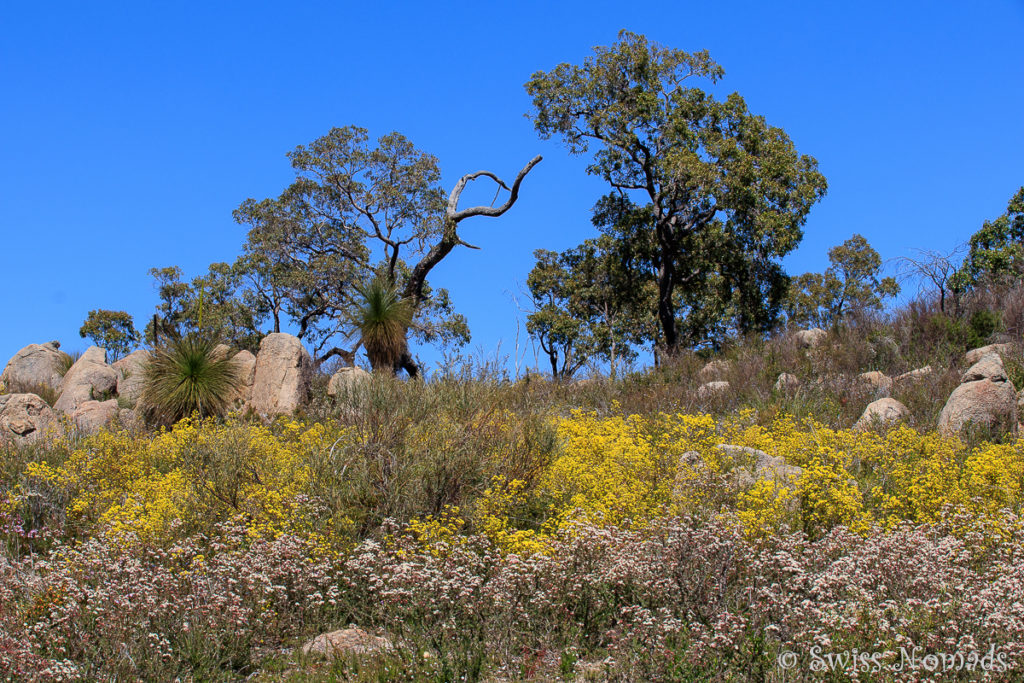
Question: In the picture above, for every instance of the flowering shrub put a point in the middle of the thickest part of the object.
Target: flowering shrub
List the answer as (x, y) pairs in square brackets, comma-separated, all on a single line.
[(628, 545), (679, 599), (188, 478)]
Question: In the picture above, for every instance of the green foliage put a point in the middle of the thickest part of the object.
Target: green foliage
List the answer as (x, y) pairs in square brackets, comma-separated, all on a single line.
[(66, 361), (215, 305), (983, 324), (586, 306), (996, 251), (712, 194), (113, 330), (849, 286), (307, 250), (382, 319), (185, 376)]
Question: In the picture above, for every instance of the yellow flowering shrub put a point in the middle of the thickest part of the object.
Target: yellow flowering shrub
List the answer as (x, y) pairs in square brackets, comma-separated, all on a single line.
[(609, 471), (191, 476), (627, 469)]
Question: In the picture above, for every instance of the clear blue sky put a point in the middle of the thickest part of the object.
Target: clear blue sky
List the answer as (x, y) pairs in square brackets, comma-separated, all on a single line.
[(129, 131)]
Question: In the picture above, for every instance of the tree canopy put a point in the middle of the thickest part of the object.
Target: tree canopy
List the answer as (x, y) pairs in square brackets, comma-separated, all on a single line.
[(996, 251), (358, 211), (714, 194), (851, 285), (587, 306), (113, 330)]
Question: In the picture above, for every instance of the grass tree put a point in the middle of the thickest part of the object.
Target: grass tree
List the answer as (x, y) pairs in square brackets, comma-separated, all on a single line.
[(187, 376), (382, 319)]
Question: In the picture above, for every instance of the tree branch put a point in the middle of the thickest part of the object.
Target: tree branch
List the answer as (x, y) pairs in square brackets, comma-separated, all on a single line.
[(449, 234)]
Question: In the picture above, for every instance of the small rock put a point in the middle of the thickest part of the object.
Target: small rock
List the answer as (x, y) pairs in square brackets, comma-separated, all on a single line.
[(809, 339), (878, 382), (712, 390), (883, 413), (787, 383), (912, 376), (347, 641), (765, 466), (714, 370), (344, 379)]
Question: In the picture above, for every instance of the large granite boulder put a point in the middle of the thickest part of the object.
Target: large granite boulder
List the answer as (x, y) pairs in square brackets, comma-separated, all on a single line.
[(90, 378), (284, 372), (26, 419), (344, 379), (986, 398), (883, 414), (92, 416), (35, 366), (131, 375)]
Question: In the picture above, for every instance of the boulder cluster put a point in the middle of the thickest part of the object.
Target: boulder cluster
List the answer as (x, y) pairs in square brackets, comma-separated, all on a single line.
[(91, 394)]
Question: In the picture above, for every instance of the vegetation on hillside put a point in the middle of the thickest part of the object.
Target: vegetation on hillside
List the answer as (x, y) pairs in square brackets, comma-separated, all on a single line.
[(627, 526)]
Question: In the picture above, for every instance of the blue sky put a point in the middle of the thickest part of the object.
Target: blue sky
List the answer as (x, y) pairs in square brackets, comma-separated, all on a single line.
[(130, 131)]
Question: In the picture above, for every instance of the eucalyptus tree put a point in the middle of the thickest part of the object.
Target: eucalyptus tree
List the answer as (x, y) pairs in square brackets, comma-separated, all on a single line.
[(852, 285), (718, 194), (358, 210), (587, 306), (995, 253)]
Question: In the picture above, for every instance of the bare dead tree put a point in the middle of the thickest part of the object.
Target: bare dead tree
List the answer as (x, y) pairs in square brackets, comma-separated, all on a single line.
[(932, 268)]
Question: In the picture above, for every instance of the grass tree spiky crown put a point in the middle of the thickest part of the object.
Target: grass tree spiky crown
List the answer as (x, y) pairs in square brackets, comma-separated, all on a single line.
[(382, 319), (187, 376)]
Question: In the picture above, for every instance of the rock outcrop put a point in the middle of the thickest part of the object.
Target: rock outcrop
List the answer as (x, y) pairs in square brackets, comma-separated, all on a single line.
[(882, 414), (35, 366), (130, 375), (284, 372), (26, 419), (986, 398), (90, 378), (344, 379)]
